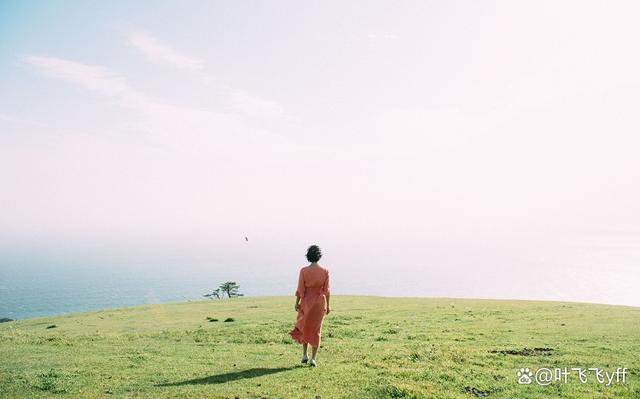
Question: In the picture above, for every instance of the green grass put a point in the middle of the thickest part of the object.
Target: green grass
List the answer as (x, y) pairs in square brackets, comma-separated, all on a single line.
[(373, 347)]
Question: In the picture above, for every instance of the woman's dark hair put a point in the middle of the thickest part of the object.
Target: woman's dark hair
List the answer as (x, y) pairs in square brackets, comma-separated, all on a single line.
[(314, 254)]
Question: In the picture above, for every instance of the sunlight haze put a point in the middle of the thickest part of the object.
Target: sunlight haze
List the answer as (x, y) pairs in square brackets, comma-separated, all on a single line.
[(456, 149)]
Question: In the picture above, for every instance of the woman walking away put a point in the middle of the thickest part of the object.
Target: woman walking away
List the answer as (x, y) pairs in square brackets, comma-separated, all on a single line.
[(312, 303)]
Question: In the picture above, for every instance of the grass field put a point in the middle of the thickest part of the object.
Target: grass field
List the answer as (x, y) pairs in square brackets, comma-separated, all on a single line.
[(373, 347)]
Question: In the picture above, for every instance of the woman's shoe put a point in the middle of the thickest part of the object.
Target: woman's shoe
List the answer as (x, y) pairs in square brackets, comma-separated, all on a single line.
[(312, 363), (305, 359)]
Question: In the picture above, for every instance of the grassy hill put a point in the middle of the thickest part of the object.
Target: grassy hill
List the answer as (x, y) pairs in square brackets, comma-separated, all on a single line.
[(373, 347)]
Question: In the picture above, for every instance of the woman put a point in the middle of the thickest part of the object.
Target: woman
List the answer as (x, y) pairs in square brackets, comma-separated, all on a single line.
[(312, 303)]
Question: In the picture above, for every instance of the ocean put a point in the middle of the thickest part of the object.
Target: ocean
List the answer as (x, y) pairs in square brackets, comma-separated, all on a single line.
[(37, 282)]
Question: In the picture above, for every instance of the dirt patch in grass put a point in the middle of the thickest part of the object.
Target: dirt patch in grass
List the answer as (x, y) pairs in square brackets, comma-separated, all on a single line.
[(525, 351), (476, 392)]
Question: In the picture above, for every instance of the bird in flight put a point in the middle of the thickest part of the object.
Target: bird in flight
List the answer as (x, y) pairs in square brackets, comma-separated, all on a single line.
[(246, 239)]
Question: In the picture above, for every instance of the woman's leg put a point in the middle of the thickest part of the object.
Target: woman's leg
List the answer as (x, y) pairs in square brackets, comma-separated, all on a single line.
[(314, 352), (304, 349)]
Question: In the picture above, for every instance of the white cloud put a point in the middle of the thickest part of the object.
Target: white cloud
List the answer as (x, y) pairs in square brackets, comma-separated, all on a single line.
[(173, 151), (385, 36), (91, 77), (95, 78), (253, 105), (169, 125), (242, 101), (19, 121), (162, 53)]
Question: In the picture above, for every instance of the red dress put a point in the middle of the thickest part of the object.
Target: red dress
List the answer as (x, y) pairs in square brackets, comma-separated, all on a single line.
[(313, 286)]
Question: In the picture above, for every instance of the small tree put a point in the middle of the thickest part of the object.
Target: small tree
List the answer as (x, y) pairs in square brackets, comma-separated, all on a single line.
[(214, 293), (230, 288)]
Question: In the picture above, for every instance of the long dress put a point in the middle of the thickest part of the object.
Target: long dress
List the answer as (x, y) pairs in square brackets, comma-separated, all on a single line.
[(313, 286)]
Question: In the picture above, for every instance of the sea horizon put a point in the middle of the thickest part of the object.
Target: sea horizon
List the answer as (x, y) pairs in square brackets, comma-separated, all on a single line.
[(71, 276), (37, 292)]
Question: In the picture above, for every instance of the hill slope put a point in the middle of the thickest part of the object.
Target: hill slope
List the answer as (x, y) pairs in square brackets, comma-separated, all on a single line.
[(373, 347)]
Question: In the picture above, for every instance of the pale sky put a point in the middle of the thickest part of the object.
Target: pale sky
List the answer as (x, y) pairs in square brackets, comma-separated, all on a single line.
[(462, 141)]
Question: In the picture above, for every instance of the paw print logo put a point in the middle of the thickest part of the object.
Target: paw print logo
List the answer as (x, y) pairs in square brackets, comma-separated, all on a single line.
[(524, 376)]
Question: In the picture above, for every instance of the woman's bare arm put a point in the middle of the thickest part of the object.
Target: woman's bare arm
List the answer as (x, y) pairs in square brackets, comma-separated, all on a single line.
[(300, 290), (328, 295)]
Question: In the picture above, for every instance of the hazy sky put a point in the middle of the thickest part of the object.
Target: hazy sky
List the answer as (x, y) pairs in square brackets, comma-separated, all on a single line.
[(462, 140)]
